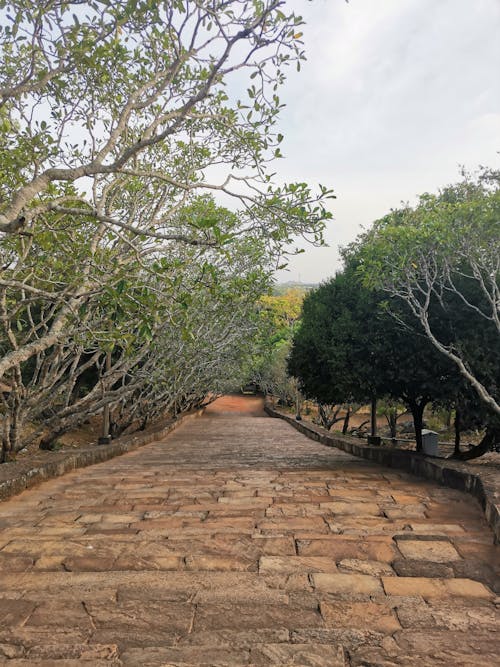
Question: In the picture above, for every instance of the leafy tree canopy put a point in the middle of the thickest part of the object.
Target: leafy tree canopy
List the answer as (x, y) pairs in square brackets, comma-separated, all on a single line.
[(123, 124), (441, 261), (349, 348)]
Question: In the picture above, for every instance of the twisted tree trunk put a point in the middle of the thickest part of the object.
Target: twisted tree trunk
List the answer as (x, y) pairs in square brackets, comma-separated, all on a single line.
[(490, 440)]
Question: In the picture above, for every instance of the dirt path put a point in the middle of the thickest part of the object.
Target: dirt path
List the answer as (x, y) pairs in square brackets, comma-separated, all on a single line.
[(237, 541)]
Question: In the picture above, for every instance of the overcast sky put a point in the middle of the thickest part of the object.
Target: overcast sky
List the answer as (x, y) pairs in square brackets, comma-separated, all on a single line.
[(394, 97)]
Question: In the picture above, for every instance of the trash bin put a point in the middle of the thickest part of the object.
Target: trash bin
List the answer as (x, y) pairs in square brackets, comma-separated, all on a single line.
[(430, 442)]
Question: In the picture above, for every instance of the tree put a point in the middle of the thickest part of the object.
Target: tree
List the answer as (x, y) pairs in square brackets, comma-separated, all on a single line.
[(279, 315), (349, 348), (171, 327), (117, 265), (440, 259), (136, 78), (115, 115), (392, 411)]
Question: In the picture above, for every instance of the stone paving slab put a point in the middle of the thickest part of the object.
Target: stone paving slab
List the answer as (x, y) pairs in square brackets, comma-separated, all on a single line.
[(482, 481), (238, 541)]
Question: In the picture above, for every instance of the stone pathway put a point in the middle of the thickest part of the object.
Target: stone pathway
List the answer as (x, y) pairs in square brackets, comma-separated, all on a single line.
[(237, 542)]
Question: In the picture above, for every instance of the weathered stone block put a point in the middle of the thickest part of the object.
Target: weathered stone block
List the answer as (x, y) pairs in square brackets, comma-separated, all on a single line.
[(347, 583)]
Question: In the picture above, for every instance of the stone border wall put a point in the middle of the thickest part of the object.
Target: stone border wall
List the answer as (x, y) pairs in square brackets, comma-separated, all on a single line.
[(484, 484), (29, 473)]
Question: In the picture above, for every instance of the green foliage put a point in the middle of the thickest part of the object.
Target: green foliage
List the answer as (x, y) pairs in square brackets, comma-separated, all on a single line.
[(278, 320), (178, 325), (133, 96), (349, 349), (117, 125), (441, 261)]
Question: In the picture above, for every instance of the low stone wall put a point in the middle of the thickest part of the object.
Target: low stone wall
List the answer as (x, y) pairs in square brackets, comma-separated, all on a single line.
[(484, 484), (23, 474)]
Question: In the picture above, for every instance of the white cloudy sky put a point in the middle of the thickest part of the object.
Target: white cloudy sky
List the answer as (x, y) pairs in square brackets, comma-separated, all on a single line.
[(395, 95)]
